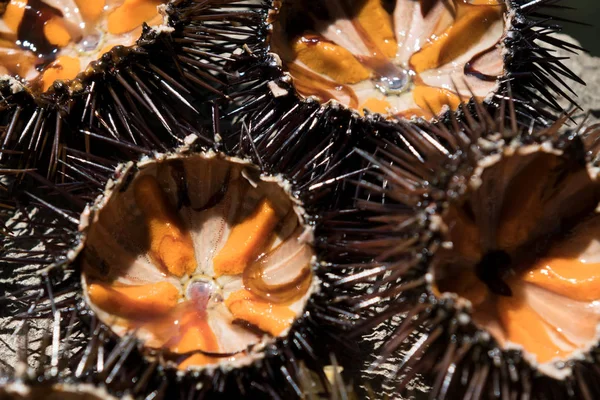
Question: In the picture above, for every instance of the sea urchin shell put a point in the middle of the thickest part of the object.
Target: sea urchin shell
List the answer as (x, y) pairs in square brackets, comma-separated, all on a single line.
[(198, 254), (402, 64)]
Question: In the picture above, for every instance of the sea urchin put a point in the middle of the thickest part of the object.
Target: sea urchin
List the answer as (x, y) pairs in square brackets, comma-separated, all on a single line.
[(201, 256), (407, 58), (499, 290)]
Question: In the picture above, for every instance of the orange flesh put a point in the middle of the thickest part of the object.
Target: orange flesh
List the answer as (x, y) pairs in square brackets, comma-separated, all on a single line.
[(197, 337), (90, 9), (486, 2), (268, 317), (331, 60), (170, 245), (524, 326), (197, 359), (56, 33), (14, 14), (375, 105), (131, 14), (470, 25), (182, 329), (310, 83), (434, 98), (134, 301), (574, 279), (376, 27), (64, 68), (246, 241)]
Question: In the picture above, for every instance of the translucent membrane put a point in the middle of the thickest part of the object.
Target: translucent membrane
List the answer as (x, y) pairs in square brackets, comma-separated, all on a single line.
[(526, 254), (409, 58), (42, 41), (198, 256)]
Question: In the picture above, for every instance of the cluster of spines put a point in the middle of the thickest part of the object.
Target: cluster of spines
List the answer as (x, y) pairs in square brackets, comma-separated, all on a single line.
[(534, 70)]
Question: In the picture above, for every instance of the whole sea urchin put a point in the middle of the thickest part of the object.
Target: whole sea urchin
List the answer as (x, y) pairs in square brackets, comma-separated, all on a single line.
[(503, 247), (405, 58)]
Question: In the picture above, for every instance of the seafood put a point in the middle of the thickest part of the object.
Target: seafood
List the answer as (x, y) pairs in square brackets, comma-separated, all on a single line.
[(405, 59), (200, 256), (488, 236), (42, 41)]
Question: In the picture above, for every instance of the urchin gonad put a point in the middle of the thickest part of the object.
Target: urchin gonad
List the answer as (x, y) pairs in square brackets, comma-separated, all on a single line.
[(201, 257), (44, 41)]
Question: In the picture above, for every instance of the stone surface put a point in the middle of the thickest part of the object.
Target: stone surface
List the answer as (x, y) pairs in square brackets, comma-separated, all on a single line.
[(588, 68)]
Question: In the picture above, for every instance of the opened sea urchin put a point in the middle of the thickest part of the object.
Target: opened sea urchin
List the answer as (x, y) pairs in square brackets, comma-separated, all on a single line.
[(43, 42), (407, 58), (399, 59), (199, 256), (112, 77), (191, 273), (502, 248)]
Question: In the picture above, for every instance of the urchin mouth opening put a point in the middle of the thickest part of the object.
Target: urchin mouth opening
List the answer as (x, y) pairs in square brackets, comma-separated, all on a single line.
[(491, 269), (46, 41), (524, 253), (399, 58), (200, 258)]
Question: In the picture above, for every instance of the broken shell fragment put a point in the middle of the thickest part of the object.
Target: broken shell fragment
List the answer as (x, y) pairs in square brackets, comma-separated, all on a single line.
[(200, 257)]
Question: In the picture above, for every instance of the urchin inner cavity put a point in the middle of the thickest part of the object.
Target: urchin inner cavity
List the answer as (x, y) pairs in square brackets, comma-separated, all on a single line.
[(400, 58), (525, 253), (198, 256), (46, 40)]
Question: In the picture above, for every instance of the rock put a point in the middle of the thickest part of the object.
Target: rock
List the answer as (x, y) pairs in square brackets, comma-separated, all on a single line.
[(587, 68)]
